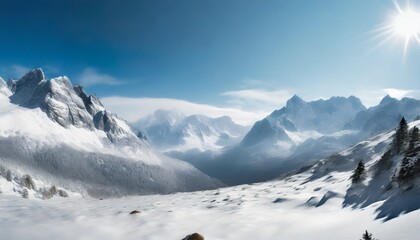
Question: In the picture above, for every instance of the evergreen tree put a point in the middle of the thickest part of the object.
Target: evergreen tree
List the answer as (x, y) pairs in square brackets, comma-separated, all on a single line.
[(414, 138), (401, 136), (385, 162), (367, 236), (408, 163), (358, 173)]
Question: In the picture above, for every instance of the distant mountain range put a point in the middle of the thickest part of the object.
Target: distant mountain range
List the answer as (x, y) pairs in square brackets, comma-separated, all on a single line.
[(170, 131), (299, 134)]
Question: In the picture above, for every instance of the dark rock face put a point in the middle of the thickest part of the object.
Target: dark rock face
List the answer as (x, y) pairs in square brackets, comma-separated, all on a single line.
[(92, 103), (25, 87), (194, 236)]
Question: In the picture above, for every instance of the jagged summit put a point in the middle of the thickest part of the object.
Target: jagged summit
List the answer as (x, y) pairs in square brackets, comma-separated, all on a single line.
[(387, 99), (36, 74), (71, 106), (92, 103), (295, 101)]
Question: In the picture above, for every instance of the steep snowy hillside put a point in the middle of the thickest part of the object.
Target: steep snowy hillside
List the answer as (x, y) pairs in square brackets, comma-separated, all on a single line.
[(388, 174), (57, 133), (326, 201), (175, 132)]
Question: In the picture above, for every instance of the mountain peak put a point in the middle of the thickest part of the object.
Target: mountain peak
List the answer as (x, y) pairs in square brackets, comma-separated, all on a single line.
[(356, 102), (387, 99), (35, 74), (25, 87), (295, 101)]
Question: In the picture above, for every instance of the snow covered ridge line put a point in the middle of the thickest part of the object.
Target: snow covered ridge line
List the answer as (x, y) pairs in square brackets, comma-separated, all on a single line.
[(58, 133)]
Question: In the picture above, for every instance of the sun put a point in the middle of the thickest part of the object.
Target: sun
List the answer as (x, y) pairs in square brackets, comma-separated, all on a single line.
[(403, 26), (407, 23)]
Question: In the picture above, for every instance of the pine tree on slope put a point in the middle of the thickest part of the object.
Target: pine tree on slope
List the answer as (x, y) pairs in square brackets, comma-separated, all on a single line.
[(414, 139), (358, 173), (367, 236), (408, 163), (400, 137)]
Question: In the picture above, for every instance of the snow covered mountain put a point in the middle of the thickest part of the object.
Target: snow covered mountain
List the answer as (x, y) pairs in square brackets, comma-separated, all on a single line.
[(300, 120), (385, 116), (171, 132), (59, 134), (304, 132)]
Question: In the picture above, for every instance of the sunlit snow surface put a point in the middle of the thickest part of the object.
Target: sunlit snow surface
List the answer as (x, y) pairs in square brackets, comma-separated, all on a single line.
[(273, 210)]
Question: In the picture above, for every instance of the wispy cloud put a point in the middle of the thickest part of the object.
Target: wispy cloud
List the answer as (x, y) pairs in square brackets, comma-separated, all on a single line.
[(258, 98), (134, 109), (90, 77), (372, 97), (14, 71)]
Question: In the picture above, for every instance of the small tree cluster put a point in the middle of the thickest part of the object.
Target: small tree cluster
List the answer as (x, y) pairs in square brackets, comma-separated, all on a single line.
[(53, 191), (28, 182), (367, 236), (358, 173), (400, 138), (397, 146), (9, 176), (414, 139), (409, 163)]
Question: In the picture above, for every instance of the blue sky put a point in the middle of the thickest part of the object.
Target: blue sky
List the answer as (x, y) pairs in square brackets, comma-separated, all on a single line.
[(236, 54)]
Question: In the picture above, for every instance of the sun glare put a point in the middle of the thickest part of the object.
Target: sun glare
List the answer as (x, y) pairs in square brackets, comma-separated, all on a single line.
[(404, 26), (407, 24)]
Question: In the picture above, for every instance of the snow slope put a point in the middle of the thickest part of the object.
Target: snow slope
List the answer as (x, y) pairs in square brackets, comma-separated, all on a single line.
[(59, 134), (294, 208)]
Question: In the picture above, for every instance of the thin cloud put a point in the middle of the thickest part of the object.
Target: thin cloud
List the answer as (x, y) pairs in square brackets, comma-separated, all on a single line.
[(374, 96), (134, 109), (258, 98), (91, 76), (14, 71), (253, 83)]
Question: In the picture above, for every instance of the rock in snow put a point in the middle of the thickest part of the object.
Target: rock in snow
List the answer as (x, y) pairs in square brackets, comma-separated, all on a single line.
[(194, 236)]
